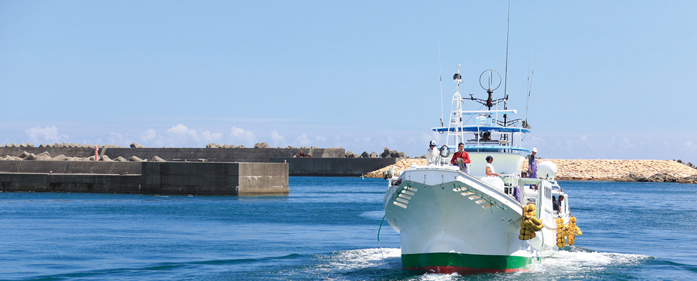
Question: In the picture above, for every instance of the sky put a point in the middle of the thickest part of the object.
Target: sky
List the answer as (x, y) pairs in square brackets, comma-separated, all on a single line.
[(608, 79)]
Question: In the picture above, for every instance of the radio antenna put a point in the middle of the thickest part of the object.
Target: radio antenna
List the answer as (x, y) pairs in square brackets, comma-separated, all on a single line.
[(440, 76), (505, 83)]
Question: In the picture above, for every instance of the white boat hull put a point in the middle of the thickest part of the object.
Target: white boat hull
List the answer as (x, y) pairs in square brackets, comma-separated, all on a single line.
[(452, 222)]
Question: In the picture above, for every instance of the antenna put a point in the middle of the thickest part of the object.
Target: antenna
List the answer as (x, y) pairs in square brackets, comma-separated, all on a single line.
[(440, 76), (505, 83)]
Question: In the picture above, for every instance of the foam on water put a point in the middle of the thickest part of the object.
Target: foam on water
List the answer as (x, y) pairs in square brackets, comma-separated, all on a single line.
[(578, 262), (363, 258), (571, 263), (373, 214)]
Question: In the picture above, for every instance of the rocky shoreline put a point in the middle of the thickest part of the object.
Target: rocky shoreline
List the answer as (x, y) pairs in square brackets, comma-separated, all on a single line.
[(596, 169)]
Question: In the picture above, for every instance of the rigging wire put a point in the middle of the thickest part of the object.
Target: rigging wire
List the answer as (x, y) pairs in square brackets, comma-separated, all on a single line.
[(532, 74)]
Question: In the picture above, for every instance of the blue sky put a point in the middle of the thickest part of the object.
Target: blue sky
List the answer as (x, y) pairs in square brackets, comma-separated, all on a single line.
[(612, 79)]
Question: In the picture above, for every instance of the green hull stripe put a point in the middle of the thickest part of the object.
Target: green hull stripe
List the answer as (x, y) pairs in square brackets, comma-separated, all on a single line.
[(464, 260)]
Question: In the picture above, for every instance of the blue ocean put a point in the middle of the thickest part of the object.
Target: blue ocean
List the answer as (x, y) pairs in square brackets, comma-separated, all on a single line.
[(325, 229)]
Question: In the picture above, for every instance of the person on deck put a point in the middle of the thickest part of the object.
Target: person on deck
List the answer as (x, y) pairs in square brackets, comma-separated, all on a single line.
[(490, 168), (432, 154), (560, 202), (532, 164), (555, 204), (461, 158)]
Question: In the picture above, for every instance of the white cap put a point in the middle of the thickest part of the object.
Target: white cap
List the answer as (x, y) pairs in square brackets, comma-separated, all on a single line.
[(433, 142), (534, 149)]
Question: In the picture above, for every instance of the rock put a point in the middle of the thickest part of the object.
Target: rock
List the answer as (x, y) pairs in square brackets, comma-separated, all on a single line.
[(261, 145), (212, 145), (106, 158), (385, 153), (365, 154), (240, 146), (44, 156), (135, 145), (373, 155), (157, 159), (60, 157), (349, 154), (397, 154), (135, 159), (121, 159)]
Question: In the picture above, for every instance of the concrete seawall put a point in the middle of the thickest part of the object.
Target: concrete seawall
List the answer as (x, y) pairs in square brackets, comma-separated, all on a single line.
[(325, 161), (182, 154), (87, 183), (67, 167), (215, 178), (335, 167), (154, 178)]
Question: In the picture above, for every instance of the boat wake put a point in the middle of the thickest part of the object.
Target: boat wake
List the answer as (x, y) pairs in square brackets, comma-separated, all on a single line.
[(571, 263), (375, 258), (579, 263)]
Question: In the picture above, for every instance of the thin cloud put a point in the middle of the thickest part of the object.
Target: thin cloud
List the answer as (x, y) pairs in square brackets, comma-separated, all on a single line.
[(148, 135), (303, 140), (276, 138), (46, 134), (239, 134)]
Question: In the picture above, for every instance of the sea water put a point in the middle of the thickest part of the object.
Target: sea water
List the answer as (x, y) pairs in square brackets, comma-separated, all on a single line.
[(325, 229)]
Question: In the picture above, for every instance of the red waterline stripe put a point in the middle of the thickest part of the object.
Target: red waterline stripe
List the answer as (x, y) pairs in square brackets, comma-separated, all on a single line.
[(464, 270)]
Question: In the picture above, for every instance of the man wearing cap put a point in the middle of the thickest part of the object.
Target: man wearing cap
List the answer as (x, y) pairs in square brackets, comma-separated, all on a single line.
[(532, 164), (432, 153), (461, 158)]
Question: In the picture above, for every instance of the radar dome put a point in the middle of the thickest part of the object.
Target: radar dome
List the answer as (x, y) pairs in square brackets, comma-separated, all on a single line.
[(547, 170)]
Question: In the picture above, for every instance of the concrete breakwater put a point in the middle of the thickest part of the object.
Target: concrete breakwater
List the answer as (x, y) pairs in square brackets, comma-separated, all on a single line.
[(324, 161), (145, 178), (598, 169)]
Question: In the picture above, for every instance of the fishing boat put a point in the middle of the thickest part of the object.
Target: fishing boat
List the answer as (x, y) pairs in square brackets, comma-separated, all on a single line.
[(452, 221)]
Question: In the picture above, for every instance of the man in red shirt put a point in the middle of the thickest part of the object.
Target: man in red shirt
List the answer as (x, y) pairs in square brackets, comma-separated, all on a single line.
[(461, 158)]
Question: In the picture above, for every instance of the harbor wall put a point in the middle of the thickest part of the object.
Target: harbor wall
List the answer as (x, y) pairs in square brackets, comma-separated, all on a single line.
[(68, 167), (155, 178), (220, 154), (215, 178), (182, 154), (86, 183), (325, 161), (336, 167)]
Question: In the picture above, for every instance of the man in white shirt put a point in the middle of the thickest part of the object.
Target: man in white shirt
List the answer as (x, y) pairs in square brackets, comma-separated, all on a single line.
[(490, 168), (432, 153)]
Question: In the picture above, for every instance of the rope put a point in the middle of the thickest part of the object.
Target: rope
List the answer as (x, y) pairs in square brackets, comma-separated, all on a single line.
[(380, 244)]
